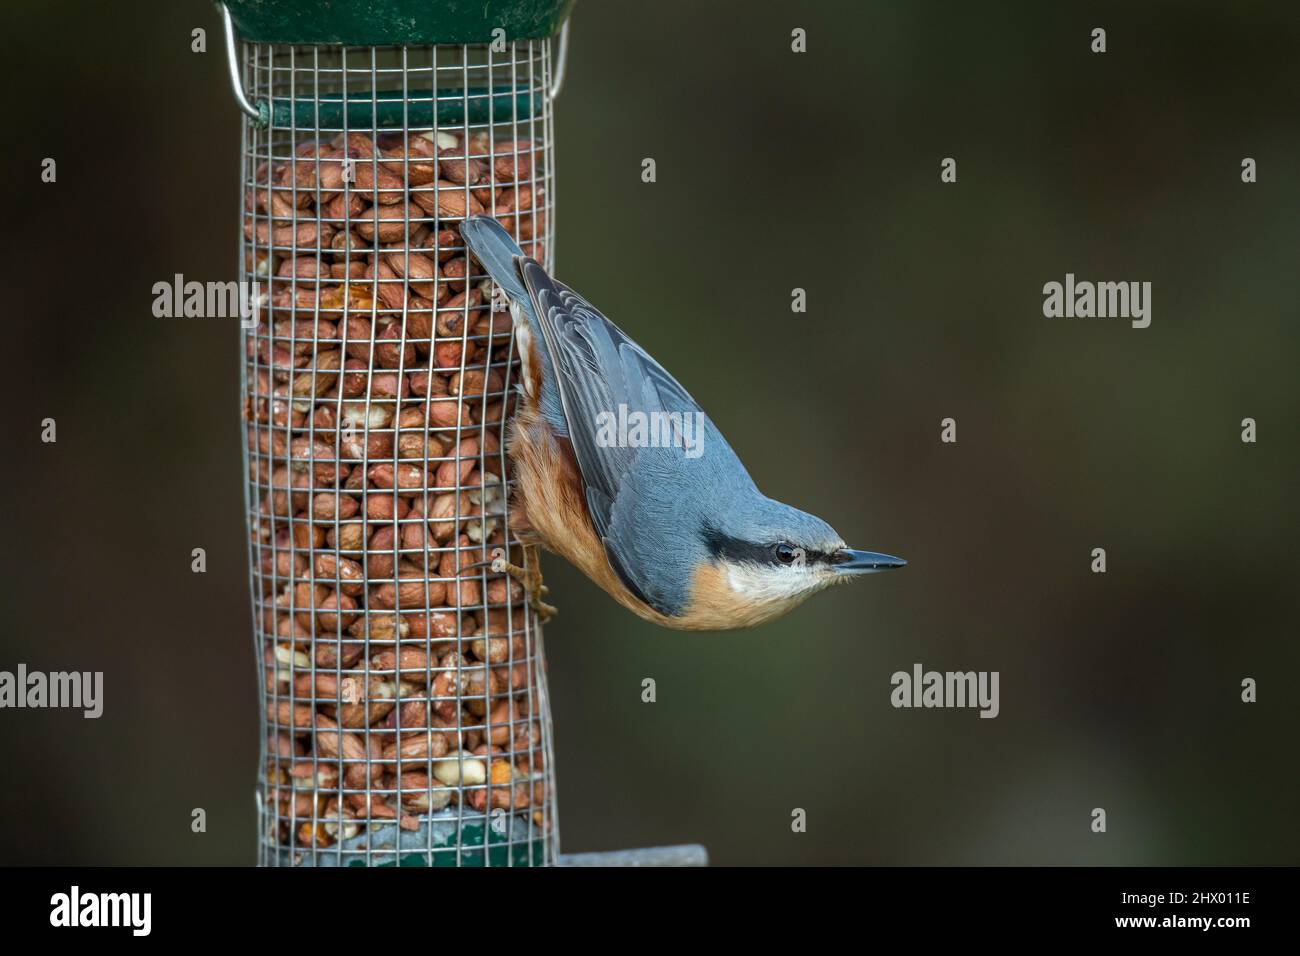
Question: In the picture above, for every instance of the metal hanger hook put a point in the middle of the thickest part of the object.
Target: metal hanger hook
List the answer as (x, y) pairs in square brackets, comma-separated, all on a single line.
[(561, 59), (232, 60)]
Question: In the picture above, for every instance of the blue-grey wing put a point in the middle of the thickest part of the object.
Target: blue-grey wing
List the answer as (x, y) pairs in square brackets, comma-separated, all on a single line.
[(601, 374)]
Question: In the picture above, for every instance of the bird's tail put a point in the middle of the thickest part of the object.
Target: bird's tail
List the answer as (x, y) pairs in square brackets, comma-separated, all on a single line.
[(493, 247)]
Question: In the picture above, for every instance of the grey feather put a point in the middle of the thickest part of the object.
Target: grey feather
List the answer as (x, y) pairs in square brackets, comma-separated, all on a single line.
[(636, 496), (497, 251), (500, 255)]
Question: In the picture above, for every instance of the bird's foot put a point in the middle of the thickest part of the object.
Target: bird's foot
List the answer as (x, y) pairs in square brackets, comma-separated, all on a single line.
[(530, 577)]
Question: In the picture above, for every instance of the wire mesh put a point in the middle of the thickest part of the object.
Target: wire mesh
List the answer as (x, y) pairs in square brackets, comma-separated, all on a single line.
[(405, 717)]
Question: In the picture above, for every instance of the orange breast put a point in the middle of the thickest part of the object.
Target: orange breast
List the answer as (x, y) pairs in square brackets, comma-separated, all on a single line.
[(549, 502)]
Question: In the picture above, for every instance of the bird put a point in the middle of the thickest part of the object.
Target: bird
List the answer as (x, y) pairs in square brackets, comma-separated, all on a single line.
[(665, 519)]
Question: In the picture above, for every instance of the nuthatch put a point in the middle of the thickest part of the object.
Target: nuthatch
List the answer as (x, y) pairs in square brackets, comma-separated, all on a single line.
[(620, 471)]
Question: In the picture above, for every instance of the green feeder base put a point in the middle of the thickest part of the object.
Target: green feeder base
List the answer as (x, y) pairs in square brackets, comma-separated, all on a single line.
[(516, 842)]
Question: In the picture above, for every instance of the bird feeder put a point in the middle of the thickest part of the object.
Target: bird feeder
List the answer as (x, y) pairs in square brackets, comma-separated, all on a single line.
[(405, 711)]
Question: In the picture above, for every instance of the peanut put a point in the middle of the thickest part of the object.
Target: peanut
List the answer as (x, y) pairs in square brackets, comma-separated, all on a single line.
[(343, 573), (376, 400), (387, 223), (447, 201), (460, 769)]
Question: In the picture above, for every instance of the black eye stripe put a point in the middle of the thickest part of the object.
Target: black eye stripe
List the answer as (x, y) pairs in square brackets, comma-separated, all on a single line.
[(724, 546)]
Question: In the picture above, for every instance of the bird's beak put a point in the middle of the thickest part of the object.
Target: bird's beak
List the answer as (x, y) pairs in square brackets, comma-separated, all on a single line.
[(864, 562)]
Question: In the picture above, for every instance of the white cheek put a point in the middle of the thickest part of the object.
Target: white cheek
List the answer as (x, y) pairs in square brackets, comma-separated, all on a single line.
[(760, 584), (736, 579)]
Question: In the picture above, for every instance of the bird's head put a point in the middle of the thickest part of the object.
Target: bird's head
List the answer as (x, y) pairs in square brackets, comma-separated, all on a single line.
[(772, 557)]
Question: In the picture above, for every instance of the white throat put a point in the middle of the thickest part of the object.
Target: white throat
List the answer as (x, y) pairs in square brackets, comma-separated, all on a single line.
[(763, 584)]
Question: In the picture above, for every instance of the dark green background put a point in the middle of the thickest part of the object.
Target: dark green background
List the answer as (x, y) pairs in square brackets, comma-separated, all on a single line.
[(775, 170)]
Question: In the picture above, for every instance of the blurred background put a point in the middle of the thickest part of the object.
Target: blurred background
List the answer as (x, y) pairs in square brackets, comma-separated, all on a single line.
[(775, 171)]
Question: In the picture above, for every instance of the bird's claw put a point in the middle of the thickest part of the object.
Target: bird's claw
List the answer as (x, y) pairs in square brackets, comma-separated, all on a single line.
[(529, 577)]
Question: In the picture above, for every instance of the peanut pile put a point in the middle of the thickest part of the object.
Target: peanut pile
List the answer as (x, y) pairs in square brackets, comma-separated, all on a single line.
[(402, 675)]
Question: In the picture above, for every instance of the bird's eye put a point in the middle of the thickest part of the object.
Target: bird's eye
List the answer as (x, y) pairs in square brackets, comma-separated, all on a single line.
[(786, 553)]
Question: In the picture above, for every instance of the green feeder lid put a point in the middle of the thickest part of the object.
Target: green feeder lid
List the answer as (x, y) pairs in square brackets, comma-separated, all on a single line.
[(395, 22)]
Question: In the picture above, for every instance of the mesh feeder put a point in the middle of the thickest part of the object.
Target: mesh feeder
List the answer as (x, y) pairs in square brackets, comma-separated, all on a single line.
[(405, 710), (405, 716)]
